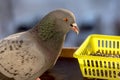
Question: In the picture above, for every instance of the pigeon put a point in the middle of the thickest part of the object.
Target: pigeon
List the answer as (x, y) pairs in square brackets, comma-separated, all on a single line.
[(27, 55)]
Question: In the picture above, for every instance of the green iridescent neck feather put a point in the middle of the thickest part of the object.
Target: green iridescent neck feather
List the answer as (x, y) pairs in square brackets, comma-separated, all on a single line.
[(46, 29)]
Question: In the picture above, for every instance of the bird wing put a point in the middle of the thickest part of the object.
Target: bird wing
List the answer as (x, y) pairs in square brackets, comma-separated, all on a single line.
[(19, 57)]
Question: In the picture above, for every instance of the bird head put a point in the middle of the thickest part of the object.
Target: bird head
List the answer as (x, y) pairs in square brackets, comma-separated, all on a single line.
[(63, 20), (57, 22)]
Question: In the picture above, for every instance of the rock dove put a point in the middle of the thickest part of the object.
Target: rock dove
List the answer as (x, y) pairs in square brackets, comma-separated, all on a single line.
[(27, 55)]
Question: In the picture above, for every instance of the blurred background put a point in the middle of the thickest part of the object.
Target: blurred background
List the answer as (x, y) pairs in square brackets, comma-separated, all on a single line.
[(92, 16)]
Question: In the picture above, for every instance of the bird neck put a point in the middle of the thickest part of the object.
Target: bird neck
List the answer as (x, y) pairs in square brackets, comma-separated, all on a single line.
[(46, 32), (56, 41), (49, 37), (46, 28)]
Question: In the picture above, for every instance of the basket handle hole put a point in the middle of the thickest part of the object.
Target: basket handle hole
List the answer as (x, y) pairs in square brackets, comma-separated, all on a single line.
[(102, 43)]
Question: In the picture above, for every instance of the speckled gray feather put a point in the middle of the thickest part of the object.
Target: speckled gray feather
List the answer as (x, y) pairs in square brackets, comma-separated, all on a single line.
[(27, 55)]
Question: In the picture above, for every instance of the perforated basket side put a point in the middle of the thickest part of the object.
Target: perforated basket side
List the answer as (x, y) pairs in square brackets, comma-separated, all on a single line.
[(106, 44), (100, 68)]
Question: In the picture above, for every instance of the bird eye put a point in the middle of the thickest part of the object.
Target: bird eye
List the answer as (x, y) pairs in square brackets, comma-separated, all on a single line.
[(65, 19)]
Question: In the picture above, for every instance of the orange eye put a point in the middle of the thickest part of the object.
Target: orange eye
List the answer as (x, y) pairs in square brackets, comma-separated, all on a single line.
[(65, 19)]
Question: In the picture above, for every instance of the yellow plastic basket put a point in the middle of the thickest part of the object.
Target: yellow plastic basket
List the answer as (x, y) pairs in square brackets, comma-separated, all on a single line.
[(99, 66)]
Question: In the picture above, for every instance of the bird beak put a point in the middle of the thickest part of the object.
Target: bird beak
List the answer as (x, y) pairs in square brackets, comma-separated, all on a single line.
[(75, 28)]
